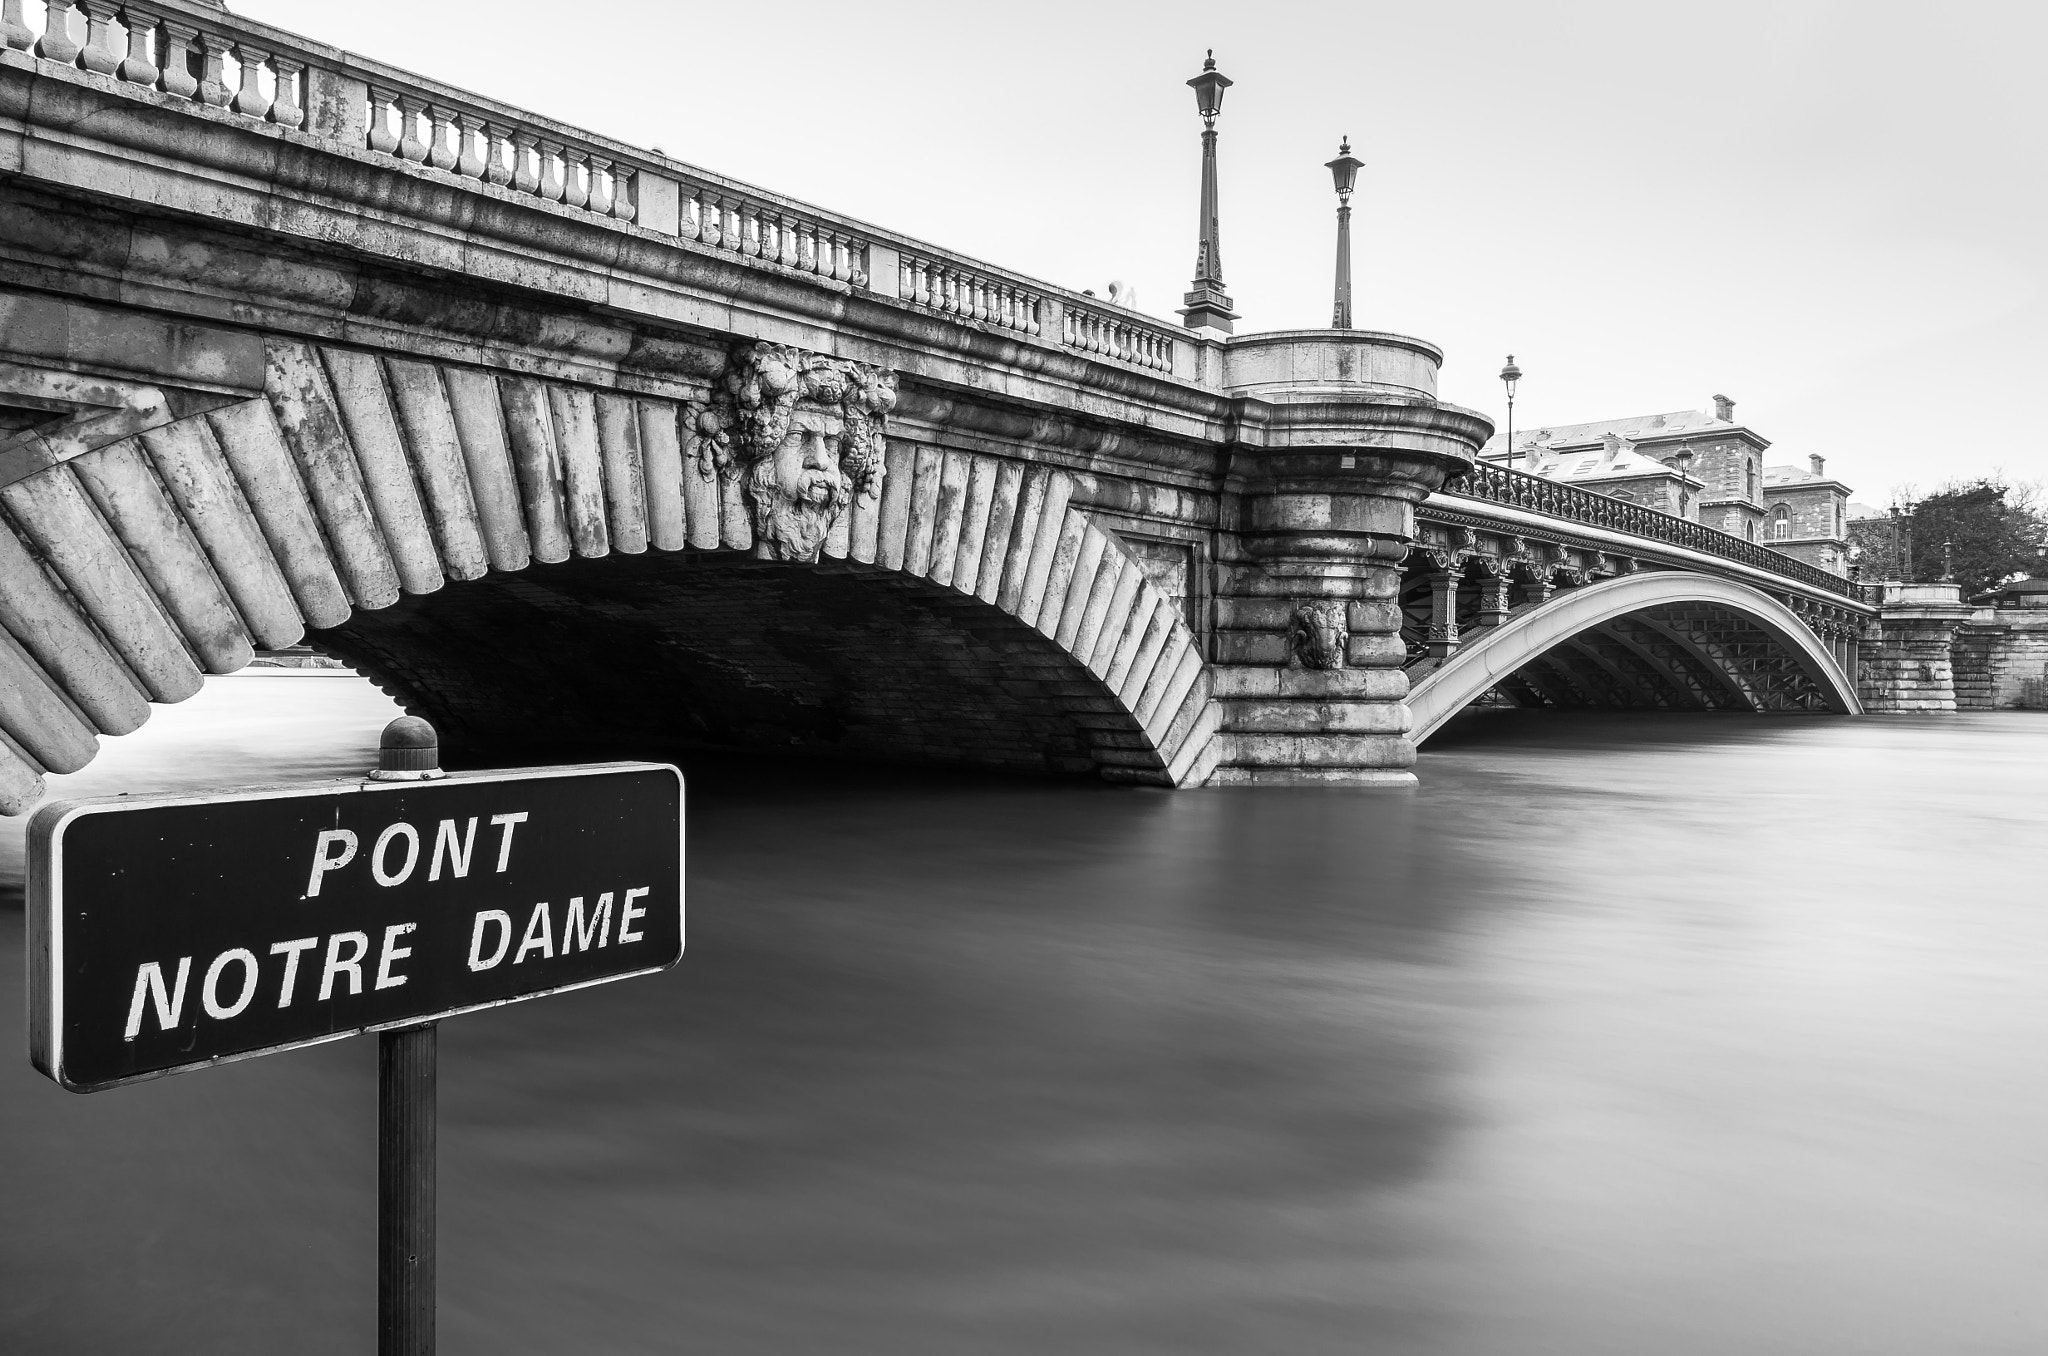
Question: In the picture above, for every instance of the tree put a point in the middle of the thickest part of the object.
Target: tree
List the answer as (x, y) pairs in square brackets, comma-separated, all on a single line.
[(1992, 527)]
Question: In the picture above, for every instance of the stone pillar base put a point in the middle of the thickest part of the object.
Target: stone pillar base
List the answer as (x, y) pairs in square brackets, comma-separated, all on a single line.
[(1280, 726)]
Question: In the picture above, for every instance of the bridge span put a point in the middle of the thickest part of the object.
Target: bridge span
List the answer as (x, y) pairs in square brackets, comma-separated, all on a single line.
[(551, 433)]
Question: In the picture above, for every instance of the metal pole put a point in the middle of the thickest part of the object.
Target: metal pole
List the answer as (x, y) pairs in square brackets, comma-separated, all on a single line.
[(1341, 312), (407, 1083)]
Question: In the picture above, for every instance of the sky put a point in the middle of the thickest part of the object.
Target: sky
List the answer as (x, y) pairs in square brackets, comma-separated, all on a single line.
[(1832, 213)]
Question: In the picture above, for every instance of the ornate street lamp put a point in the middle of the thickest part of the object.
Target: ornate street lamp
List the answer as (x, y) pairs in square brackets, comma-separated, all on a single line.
[(1510, 375), (1344, 170), (1207, 306)]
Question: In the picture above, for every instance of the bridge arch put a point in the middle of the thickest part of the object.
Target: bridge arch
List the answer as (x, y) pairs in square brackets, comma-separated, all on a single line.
[(455, 530), (1664, 637)]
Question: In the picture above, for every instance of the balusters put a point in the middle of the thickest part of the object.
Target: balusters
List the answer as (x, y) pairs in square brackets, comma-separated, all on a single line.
[(58, 44), (14, 30), (468, 135), (213, 90), (99, 56), (575, 180), (550, 176), (250, 100), (712, 219), (177, 76), (600, 186), (440, 153), (285, 109), (626, 194), (525, 179), (410, 147), (138, 69), (497, 155), (381, 138)]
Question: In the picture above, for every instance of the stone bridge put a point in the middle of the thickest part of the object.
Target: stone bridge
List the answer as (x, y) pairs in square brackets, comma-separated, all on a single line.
[(578, 449)]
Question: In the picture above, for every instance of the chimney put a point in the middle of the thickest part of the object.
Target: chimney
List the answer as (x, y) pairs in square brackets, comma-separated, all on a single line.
[(1611, 442), (1818, 463), (1724, 409)]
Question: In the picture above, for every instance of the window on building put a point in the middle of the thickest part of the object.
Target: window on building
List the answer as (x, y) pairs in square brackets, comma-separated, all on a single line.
[(1749, 528), (1749, 478), (1781, 523), (1841, 525)]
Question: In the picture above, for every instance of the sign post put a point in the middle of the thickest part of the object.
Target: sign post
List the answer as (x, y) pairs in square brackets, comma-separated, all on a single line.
[(407, 1128), (172, 933)]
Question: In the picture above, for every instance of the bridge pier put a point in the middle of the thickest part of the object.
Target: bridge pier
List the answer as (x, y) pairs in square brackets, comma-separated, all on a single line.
[(1338, 437), (1908, 665)]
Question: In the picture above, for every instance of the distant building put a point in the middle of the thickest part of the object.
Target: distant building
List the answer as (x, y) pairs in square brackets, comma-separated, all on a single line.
[(1699, 465), (1806, 515), (2032, 593)]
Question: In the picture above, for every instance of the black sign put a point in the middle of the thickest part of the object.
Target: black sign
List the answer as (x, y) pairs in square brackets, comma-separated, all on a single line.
[(172, 932)]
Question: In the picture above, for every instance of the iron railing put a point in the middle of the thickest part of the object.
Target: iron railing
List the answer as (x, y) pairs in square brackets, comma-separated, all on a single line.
[(1519, 489)]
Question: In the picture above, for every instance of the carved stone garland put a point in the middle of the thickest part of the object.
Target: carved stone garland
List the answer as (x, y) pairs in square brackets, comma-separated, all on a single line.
[(799, 434)]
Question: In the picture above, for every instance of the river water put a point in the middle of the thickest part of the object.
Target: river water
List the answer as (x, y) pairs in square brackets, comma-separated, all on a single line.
[(1624, 1034)]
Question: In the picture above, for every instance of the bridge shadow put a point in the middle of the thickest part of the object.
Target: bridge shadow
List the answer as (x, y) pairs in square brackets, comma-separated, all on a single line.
[(661, 653)]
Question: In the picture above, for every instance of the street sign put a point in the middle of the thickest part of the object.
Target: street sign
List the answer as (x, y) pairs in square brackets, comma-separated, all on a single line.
[(172, 932)]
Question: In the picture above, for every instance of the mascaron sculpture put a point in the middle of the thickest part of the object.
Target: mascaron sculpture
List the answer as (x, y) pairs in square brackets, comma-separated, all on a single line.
[(800, 435), (1316, 636)]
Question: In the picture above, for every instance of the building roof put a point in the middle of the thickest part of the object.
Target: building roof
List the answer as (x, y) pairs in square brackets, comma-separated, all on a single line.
[(2015, 588), (1786, 477), (1596, 465), (1635, 428)]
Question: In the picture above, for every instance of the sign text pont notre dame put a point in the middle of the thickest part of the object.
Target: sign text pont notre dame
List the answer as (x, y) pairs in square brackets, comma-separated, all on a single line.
[(172, 932)]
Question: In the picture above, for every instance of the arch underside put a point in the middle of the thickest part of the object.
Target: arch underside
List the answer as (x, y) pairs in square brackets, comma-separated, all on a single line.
[(640, 655), (1662, 640), (1677, 657)]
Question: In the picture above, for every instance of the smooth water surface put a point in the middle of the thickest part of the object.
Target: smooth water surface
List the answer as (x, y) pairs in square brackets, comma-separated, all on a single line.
[(1622, 1035)]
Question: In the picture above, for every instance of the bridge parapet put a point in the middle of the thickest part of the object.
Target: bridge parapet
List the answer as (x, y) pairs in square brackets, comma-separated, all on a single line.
[(208, 62)]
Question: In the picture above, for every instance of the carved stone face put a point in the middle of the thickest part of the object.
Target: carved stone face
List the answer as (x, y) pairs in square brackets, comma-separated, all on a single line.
[(799, 491), (1318, 635)]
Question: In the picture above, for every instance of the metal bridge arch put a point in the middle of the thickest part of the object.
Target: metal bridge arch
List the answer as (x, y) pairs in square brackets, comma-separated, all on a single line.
[(1494, 655)]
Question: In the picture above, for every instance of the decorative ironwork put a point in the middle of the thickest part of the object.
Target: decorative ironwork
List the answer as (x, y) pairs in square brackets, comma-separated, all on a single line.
[(1538, 494)]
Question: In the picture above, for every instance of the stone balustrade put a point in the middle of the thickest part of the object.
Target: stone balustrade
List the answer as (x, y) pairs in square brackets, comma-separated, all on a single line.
[(1538, 494), (236, 67), (952, 288)]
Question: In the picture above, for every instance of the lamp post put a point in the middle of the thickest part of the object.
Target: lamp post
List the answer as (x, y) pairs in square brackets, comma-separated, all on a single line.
[(1207, 306), (1509, 375), (1902, 541), (1344, 170)]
